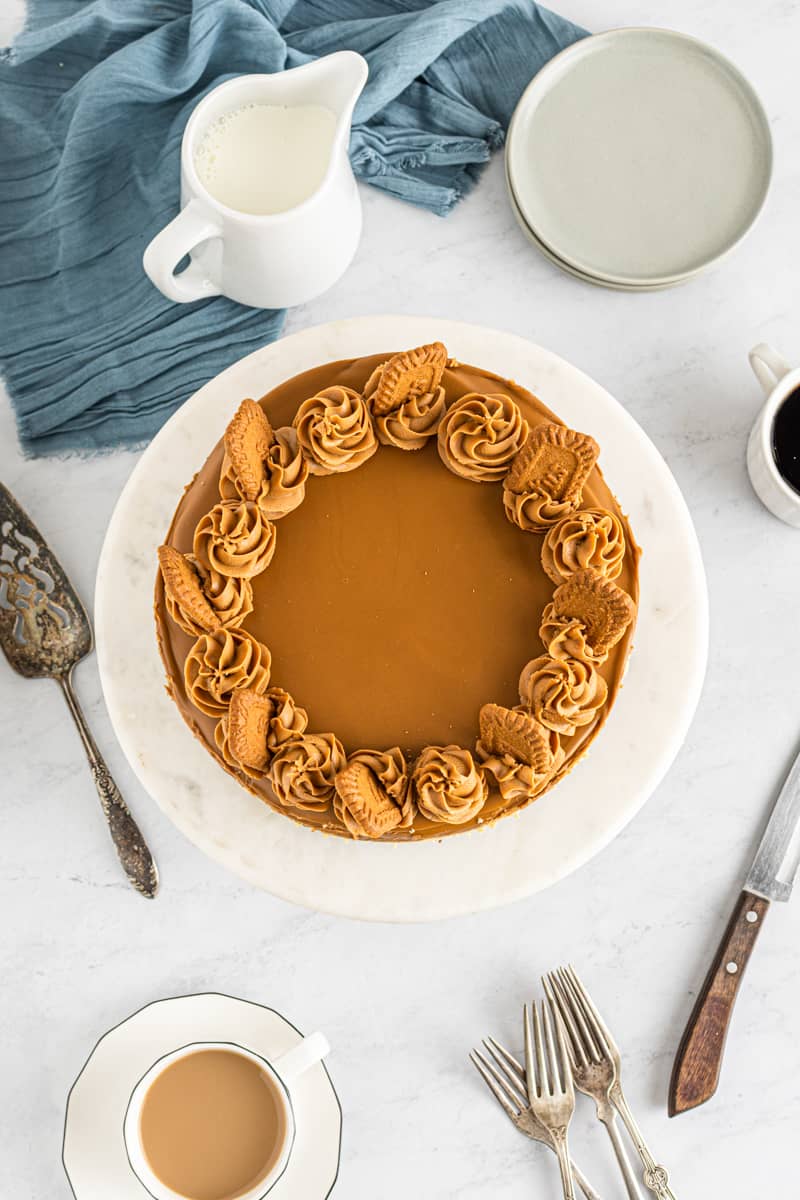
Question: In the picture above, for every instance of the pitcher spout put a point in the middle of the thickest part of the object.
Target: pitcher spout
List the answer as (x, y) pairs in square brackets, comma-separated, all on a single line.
[(340, 77)]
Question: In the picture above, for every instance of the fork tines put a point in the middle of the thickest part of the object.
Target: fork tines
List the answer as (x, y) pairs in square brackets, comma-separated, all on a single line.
[(504, 1076), (589, 1039)]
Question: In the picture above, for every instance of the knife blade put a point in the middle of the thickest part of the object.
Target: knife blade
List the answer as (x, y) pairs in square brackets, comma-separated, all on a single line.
[(698, 1062)]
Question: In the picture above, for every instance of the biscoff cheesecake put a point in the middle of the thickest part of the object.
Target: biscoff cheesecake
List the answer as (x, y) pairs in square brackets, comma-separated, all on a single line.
[(397, 600)]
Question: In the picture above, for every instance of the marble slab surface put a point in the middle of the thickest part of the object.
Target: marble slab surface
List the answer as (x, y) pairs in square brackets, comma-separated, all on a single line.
[(456, 875), (401, 1005)]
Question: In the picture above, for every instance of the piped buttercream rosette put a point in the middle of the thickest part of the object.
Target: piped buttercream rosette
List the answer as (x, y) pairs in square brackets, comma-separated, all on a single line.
[(413, 421), (334, 431), (235, 539), (303, 771), (480, 436), (564, 694), (450, 786), (219, 663)]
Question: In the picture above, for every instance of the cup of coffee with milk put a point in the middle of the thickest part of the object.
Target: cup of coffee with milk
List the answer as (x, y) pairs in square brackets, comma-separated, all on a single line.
[(215, 1121), (270, 212)]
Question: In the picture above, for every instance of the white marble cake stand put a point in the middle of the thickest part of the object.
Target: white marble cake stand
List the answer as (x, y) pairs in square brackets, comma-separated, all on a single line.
[(471, 871)]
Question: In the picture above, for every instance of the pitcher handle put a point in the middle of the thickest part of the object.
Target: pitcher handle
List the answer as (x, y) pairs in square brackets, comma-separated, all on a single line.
[(301, 1057), (193, 224), (768, 366)]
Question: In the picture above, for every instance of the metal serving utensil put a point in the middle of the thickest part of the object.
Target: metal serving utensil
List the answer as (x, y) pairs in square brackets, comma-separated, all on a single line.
[(605, 1049), (548, 1076), (593, 1073), (44, 633), (504, 1075)]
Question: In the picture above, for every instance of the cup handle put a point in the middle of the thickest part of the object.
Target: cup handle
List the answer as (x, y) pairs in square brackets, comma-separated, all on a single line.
[(768, 366), (192, 225), (305, 1055)]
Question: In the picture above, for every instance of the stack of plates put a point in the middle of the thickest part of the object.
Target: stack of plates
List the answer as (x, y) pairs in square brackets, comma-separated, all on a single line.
[(637, 158)]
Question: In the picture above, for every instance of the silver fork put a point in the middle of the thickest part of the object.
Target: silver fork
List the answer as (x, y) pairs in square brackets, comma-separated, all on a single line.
[(655, 1176), (505, 1078), (592, 1073), (550, 1091)]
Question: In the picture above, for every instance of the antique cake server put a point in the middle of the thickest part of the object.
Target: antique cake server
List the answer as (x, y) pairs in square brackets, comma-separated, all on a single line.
[(697, 1064), (44, 632)]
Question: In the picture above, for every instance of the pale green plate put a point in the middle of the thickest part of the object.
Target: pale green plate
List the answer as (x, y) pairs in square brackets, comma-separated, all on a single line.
[(638, 157)]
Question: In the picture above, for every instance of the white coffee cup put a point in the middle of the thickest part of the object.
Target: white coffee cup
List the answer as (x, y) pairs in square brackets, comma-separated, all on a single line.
[(281, 1071), (778, 380), (270, 260)]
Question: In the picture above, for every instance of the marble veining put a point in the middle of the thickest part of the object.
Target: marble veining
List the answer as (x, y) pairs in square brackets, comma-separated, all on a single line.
[(402, 1004)]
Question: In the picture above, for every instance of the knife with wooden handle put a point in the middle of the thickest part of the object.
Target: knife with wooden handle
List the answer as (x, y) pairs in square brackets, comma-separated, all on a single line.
[(695, 1074)]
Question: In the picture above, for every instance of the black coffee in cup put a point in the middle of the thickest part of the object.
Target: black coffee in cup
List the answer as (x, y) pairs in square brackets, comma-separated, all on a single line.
[(786, 439)]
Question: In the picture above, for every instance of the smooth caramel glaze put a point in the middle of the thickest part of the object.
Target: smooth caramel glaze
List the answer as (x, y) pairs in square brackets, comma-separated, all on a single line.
[(400, 599)]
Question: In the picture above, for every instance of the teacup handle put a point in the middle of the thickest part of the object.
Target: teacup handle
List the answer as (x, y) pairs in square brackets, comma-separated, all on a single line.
[(192, 225), (768, 366), (305, 1055)]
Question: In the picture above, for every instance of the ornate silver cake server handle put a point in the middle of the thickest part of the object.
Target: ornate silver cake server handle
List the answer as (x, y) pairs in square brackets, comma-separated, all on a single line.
[(44, 632), (132, 850)]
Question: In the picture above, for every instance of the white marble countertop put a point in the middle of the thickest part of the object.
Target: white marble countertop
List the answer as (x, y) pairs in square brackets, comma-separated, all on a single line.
[(402, 1005)]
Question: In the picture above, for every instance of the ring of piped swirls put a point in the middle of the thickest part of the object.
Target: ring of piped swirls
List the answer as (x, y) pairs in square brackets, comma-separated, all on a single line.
[(519, 752)]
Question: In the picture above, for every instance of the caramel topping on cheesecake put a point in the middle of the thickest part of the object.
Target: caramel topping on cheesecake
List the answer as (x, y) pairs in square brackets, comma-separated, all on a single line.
[(390, 577)]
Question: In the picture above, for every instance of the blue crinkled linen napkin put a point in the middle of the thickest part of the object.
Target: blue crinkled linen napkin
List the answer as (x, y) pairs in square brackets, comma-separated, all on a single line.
[(93, 102)]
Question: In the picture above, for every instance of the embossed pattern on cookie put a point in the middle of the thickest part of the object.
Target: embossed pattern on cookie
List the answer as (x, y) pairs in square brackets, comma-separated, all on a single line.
[(362, 804), (510, 731), (554, 462), (408, 375), (602, 607), (183, 587), (247, 441), (248, 721)]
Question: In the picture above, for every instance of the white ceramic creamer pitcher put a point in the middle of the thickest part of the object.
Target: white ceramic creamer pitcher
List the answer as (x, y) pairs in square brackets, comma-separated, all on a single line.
[(274, 259)]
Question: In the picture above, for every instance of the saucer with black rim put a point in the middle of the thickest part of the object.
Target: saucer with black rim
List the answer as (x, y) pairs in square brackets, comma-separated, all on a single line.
[(94, 1154)]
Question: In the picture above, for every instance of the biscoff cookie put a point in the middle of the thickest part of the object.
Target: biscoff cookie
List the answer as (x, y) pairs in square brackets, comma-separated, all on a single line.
[(511, 731), (247, 441), (554, 462), (404, 376), (184, 589), (603, 608), (249, 716), (362, 799)]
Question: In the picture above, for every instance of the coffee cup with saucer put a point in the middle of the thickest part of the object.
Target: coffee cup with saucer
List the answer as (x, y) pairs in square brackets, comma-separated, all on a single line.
[(101, 1153)]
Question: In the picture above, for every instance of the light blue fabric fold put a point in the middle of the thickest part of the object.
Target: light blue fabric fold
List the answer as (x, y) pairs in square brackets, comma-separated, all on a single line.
[(93, 102)]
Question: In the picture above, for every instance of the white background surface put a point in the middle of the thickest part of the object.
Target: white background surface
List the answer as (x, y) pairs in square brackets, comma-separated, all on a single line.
[(400, 1005)]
